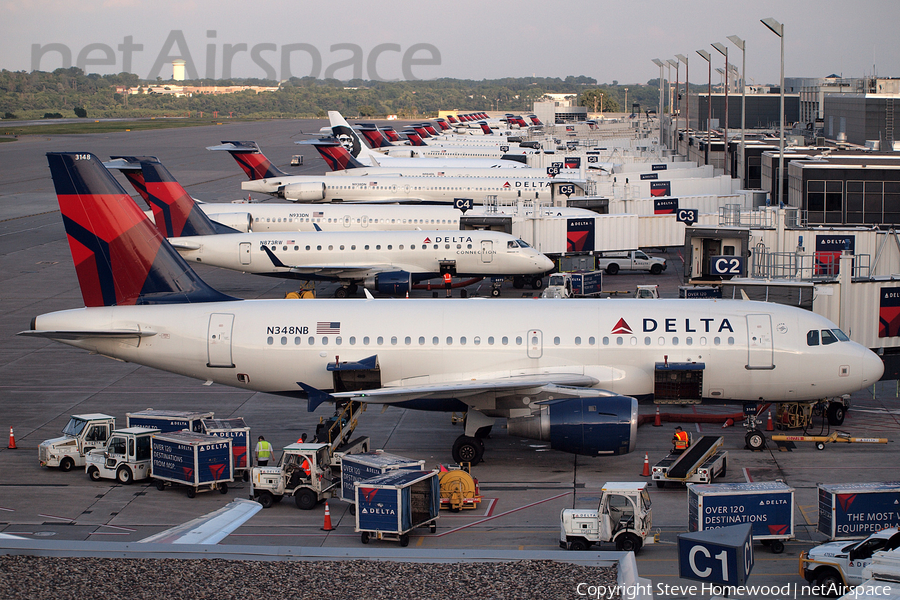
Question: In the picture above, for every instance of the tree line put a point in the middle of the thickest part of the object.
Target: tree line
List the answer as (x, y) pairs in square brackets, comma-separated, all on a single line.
[(70, 92)]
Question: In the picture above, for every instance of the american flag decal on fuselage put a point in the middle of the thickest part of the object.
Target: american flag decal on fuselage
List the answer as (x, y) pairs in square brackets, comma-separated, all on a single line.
[(328, 327)]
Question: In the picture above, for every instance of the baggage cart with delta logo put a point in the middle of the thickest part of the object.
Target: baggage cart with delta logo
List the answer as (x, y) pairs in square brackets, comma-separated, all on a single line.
[(391, 505), (193, 460)]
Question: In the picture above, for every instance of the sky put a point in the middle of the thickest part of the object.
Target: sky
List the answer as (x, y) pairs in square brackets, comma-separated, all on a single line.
[(465, 39)]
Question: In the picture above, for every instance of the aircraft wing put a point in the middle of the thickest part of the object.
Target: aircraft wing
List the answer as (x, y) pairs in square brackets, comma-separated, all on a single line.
[(89, 334), (451, 389), (211, 528)]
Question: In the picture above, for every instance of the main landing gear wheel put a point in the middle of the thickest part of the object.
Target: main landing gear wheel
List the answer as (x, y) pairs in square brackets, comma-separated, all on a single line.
[(518, 282), (537, 283), (468, 450), (755, 440), (352, 289), (341, 292), (835, 413)]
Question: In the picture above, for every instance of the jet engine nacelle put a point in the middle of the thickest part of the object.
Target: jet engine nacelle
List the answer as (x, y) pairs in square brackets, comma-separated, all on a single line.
[(590, 426), (395, 282), (304, 192), (240, 221)]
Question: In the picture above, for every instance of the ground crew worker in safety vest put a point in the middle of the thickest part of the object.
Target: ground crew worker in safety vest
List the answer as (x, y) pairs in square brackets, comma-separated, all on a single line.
[(680, 440), (263, 452), (447, 284), (306, 467)]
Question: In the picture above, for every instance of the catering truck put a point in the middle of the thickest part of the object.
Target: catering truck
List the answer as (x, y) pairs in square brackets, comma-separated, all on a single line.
[(854, 510), (81, 434)]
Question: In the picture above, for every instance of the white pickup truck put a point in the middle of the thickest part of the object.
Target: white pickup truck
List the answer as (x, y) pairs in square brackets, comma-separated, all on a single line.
[(630, 260), (835, 566)]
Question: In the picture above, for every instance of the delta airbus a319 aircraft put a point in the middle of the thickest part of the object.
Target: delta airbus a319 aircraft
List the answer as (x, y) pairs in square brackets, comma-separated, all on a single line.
[(564, 371)]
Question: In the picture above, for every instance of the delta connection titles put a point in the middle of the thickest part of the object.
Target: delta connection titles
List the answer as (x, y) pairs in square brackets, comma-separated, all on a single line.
[(788, 590)]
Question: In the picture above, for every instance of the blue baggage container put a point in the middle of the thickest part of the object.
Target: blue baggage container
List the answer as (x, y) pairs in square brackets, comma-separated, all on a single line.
[(191, 459), (390, 506), (360, 467), (239, 432), (168, 420), (768, 506), (857, 510)]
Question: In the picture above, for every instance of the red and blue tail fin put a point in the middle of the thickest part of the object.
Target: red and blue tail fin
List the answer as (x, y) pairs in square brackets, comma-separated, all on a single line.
[(252, 161), (486, 128), (175, 212), (337, 157), (374, 136), (442, 124), (389, 133), (420, 129), (452, 119), (130, 166), (414, 138), (120, 257)]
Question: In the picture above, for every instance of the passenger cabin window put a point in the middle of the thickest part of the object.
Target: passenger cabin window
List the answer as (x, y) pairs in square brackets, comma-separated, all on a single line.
[(812, 338)]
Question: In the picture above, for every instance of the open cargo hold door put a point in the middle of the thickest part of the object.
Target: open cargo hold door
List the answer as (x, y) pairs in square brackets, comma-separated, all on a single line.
[(678, 383)]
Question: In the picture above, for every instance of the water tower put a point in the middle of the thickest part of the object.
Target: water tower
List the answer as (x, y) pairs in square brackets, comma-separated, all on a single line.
[(178, 70)]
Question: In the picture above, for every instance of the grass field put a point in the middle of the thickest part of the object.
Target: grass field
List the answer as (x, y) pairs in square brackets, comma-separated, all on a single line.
[(93, 126)]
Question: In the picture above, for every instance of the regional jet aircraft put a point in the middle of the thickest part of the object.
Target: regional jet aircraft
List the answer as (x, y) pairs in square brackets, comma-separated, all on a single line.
[(565, 371)]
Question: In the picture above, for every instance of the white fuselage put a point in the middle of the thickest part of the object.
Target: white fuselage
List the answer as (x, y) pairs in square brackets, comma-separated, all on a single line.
[(346, 188), (360, 254), (271, 345), (264, 217)]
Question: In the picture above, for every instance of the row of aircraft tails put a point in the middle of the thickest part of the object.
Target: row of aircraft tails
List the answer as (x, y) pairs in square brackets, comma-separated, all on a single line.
[(569, 372)]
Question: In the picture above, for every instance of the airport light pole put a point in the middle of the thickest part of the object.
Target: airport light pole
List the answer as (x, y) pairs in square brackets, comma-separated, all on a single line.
[(743, 46), (660, 64), (708, 59), (778, 29), (675, 101), (723, 50), (687, 96)]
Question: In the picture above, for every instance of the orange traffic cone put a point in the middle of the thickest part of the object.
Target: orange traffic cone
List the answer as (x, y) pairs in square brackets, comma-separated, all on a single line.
[(646, 472), (769, 426), (327, 526), (657, 422), (727, 423), (12, 440), (407, 294)]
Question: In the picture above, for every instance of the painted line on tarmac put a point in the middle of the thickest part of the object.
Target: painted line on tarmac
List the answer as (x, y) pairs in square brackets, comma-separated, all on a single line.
[(503, 514), (747, 476), (55, 517)]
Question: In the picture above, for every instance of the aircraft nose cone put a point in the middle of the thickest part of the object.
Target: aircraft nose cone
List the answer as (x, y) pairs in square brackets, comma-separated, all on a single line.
[(872, 368), (544, 263)]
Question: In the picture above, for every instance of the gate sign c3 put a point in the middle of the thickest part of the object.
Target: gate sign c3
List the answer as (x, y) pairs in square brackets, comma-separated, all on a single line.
[(688, 216), (727, 265)]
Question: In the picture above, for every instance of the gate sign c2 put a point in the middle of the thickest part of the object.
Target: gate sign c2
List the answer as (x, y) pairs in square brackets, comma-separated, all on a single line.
[(722, 556), (726, 265), (688, 216), (462, 204)]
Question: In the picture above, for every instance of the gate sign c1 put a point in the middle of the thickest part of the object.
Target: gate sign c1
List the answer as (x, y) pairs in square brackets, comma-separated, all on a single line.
[(688, 216), (462, 204), (726, 265), (722, 556)]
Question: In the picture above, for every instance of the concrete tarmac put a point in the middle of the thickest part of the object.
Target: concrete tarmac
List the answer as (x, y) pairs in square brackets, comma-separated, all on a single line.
[(524, 483)]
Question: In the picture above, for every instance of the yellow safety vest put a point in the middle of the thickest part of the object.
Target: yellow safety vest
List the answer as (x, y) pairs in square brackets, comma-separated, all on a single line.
[(263, 450)]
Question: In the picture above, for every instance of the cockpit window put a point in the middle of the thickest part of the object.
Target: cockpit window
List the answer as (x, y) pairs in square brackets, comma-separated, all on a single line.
[(523, 244), (812, 338), (840, 335), (828, 337), (511, 245)]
